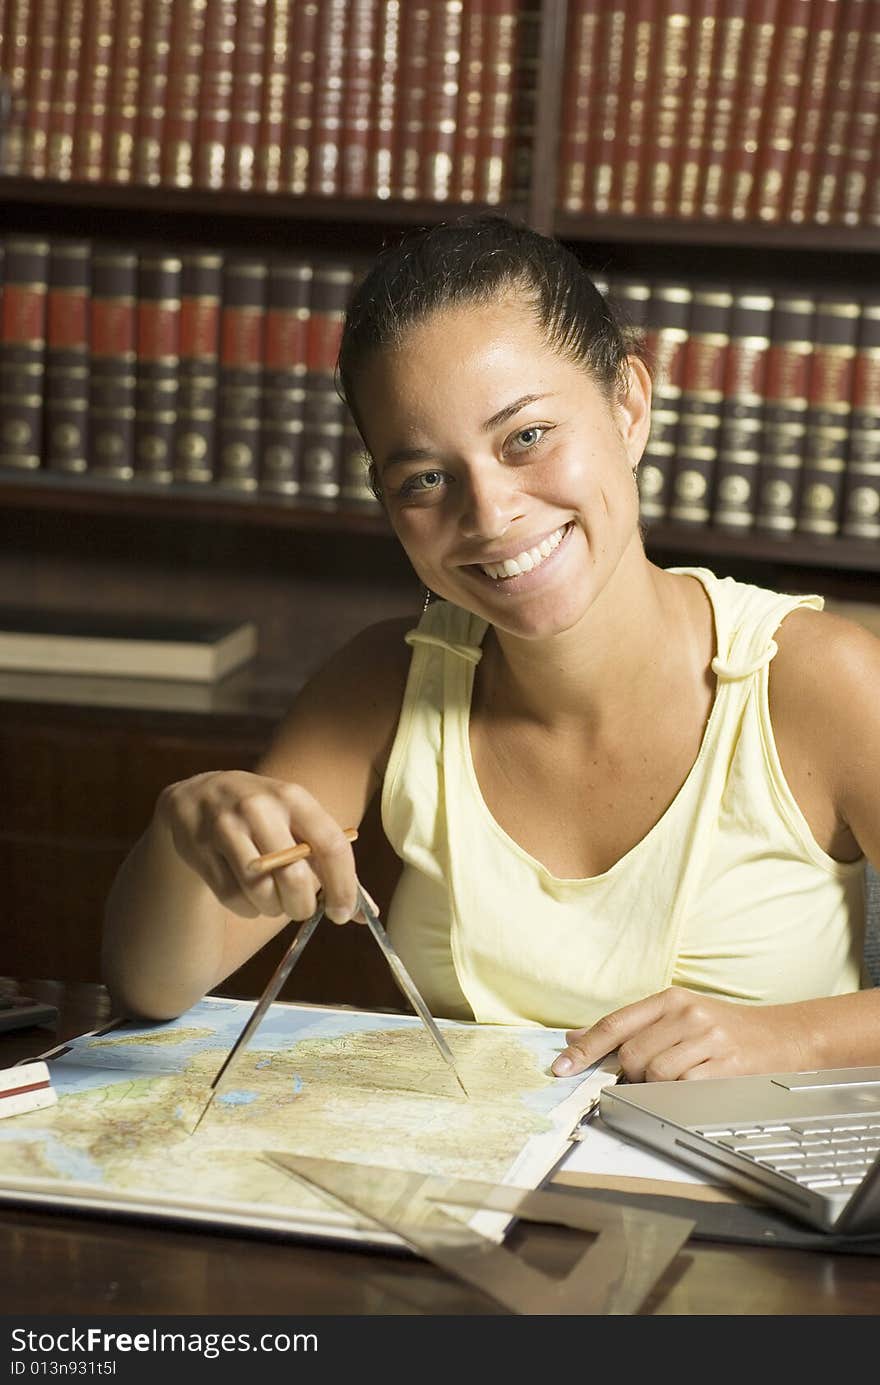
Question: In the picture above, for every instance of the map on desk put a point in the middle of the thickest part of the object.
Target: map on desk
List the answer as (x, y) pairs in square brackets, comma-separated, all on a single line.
[(362, 1087)]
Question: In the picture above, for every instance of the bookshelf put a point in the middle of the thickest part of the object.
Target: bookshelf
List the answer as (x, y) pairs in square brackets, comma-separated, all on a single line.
[(127, 544)]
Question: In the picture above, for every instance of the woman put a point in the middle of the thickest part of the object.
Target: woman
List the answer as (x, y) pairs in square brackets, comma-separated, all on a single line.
[(631, 802)]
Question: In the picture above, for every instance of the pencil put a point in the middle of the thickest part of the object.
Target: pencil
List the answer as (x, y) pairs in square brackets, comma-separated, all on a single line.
[(290, 854)]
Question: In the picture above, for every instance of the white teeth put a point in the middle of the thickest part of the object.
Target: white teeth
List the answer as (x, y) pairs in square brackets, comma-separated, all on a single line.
[(525, 561)]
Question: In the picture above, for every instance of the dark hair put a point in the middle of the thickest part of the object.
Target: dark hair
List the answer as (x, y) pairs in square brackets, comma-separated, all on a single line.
[(473, 260)]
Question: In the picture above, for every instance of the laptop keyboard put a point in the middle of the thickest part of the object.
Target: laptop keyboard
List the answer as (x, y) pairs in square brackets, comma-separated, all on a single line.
[(817, 1153)]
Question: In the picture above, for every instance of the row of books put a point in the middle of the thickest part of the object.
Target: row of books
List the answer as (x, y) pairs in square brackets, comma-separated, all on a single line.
[(193, 368), (758, 110), (201, 368), (766, 406), (354, 98)]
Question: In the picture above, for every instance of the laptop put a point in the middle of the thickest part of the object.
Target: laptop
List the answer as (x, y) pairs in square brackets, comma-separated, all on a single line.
[(807, 1142)]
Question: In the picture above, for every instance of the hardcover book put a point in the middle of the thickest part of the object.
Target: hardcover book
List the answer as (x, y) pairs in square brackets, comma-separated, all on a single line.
[(130, 646)]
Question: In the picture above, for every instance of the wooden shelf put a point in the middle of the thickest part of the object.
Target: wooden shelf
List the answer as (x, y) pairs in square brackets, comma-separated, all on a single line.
[(796, 550), (754, 235)]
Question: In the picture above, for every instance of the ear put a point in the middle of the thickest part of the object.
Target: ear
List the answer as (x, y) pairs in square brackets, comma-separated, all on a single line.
[(634, 408)]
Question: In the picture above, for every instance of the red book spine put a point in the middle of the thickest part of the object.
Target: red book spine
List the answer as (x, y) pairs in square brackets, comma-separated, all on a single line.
[(702, 56), (153, 92), (213, 99), (251, 38), (775, 140), (158, 365), (604, 149), (752, 105), (524, 111), (38, 91), (182, 95), (634, 113), (494, 158), (441, 100), (700, 405), (323, 410), (124, 94), (284, 377), (22, 351), (16, 37), (415, 23), (724, 94), (328, 100), (65, 415), (579, 103), (242, 329), (273, 104), (358, 99), (787, 388), (843, 95), (739, 439), (90, 126), (386, 78), (113, 362), (809, 133), (861, 500), (201, 293), (302, 48), (669, 66), (828, 414), (666, 332), (864, 135)]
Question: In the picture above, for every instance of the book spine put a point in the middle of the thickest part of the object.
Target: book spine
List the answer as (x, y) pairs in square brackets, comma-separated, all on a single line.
[(415, 23), (201, 295), (251, 38), (843, 96), (861, 498), (661, 164), (828, 415), (113, 362), (753, 108), (696, 106), (864, 135), (90, 125), (724, 95), (302, 50), (382, 132), (776, 136), (182, 94), (242, 331), (441, 100), (284, 377), (602, 152), (579, 99), (700, 406), (739, 438), (276, 77), (328, 99), (16, 61), (323, 410), (358, 100), (629, 299), (208, 99), (124, 94), (38, 91), (787, 386), (666, 333), (65, 414), (494, 155), (524, 104), (158, 366), (22, 351), (153, 92), (809, 131), (355, 492)]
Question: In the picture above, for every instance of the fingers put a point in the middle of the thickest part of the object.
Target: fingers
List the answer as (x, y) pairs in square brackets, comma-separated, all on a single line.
[(587, 1046)]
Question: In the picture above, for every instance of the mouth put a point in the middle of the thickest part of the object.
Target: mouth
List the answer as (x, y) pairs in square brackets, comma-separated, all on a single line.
[(512, 570)]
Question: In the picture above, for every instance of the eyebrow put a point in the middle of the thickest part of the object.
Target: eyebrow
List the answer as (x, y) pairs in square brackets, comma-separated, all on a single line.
[(427, 454)]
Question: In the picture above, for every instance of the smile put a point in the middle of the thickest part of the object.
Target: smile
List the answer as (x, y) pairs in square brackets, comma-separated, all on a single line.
[(526, 561)]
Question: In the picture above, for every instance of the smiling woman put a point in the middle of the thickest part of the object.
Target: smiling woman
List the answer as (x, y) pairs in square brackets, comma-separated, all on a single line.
[(632, 801)]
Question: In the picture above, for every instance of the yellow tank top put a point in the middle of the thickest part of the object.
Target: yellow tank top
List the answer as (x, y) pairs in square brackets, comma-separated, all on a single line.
[(728, 894)]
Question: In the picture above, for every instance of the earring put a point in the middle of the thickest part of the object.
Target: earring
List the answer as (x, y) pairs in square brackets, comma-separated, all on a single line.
[(429, 597)]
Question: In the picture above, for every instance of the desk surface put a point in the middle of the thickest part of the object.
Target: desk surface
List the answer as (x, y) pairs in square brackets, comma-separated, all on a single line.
[(79, 1264)]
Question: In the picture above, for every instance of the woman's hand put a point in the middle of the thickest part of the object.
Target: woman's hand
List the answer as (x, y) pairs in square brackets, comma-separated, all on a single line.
[(221, 821), (678, 1034)]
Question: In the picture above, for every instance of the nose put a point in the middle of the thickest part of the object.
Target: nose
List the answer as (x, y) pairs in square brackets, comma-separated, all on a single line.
[(489, 507)]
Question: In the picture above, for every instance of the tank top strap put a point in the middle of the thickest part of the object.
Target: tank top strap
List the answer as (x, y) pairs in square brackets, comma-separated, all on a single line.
[(447, 627)]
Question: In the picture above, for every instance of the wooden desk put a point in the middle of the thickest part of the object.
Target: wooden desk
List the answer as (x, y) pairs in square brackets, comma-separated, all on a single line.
[(86, 1264)]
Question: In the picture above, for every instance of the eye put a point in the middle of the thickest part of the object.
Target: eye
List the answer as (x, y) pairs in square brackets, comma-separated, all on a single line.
[(527, 438), (424, 483)]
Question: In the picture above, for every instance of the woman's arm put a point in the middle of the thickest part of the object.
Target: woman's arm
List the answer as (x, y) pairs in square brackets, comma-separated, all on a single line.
[(184, 912)]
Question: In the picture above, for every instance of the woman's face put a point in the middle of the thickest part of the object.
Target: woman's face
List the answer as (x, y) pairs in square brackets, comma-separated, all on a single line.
[(506, 474)]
